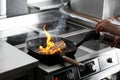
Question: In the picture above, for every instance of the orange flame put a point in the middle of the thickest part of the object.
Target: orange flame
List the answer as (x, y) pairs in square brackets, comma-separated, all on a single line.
[(49, 43)]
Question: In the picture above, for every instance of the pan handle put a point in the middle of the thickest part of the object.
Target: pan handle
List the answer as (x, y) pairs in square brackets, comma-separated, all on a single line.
[(89, 36), (70, 60)]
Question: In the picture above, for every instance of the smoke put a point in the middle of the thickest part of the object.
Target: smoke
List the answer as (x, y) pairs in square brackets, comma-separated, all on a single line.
[(61, 24), (60, 27)]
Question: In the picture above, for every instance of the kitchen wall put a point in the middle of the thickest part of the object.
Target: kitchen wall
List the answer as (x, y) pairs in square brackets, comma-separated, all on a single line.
[(97, 8), (89, 7), (111, 8)]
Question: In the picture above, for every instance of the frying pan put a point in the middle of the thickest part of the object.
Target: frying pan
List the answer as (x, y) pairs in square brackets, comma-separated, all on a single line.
[(67, 54)]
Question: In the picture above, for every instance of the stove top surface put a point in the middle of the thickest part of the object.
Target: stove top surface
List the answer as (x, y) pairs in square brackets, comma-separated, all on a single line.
[(19, 40)]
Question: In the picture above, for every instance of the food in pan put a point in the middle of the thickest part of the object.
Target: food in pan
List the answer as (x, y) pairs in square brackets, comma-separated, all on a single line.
[(59, 46)]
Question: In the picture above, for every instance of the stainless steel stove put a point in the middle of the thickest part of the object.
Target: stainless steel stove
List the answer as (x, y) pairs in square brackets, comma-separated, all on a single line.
[(99, 59)]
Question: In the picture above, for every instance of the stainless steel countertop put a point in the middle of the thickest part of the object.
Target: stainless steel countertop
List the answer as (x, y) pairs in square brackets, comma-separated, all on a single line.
[(13, 61)]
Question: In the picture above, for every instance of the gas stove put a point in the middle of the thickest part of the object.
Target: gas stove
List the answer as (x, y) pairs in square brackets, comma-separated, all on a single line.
[(93, 53)]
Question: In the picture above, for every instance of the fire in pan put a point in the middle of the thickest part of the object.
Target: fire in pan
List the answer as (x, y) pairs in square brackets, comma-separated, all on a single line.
[(62, 49)]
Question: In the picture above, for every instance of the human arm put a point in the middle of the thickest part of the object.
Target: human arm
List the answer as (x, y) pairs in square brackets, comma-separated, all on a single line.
[(107, 26)]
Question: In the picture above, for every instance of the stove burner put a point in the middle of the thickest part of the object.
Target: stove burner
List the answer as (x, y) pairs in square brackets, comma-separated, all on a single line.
[(17, 39), (21, 38)]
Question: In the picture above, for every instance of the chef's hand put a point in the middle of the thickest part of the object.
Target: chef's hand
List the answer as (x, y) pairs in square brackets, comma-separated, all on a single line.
[(107, 26)]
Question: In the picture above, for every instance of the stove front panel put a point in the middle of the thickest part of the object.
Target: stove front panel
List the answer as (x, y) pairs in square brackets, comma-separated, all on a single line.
[(75, 73)]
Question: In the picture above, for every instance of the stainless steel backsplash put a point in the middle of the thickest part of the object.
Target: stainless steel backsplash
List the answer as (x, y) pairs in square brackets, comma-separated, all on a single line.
[(97, 8)]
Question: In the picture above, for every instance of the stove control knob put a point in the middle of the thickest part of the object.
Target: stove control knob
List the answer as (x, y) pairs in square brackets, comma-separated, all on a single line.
[(109, 60), (82, 68), (92, 67), (70, 76)]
